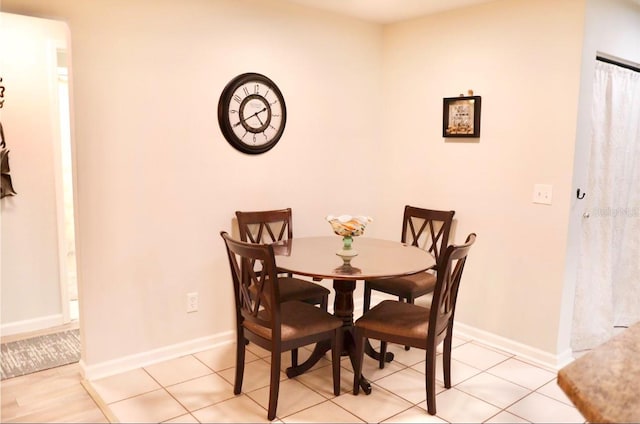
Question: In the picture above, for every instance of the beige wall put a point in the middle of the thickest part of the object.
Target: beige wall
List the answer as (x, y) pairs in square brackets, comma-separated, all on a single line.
[(156, 181), (523, 58)]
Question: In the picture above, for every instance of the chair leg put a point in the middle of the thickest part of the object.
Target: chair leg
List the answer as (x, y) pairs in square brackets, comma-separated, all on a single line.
[(367, 298), (274, 385), (336, 354), (430, 377), (294, 357), (359, 357), (240, 355), (383, 353), (324, 303), (446, 358), (412, 301), (365, 307)]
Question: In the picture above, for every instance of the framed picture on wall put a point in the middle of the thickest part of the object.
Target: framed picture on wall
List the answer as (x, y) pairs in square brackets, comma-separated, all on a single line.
[(461, 116)]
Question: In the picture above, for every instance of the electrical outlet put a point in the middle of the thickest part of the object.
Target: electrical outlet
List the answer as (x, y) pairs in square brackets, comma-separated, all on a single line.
[(192, 302), (542, 193)]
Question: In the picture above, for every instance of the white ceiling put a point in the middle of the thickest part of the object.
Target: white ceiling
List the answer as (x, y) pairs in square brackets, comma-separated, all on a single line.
[(387, 11)]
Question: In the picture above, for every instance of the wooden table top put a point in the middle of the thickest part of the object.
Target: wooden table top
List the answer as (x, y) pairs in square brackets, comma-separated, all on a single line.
[(316, 257), (604, 384)]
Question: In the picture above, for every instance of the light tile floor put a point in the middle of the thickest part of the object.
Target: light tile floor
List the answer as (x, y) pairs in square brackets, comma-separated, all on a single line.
[(488, 385)]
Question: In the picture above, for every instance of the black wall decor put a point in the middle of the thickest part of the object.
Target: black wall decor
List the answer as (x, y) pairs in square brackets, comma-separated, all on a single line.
[(6, 185)]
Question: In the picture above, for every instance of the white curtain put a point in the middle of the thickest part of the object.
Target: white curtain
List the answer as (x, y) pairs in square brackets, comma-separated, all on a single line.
[(608, 277)]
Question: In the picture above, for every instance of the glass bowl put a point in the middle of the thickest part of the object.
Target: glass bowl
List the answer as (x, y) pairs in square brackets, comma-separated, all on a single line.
[(347, 225)]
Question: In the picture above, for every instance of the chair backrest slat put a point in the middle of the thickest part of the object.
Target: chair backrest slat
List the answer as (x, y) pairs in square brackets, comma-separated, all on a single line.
[(256, 293), (427, 228), (265, 226)]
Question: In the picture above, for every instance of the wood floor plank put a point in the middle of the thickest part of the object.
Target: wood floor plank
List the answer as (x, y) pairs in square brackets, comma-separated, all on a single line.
[(54, 395)]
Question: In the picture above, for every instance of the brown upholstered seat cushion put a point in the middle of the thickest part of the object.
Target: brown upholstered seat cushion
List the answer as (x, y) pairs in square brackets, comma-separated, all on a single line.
[(410, 286), (398, 318), (299, 319), (297, 289)]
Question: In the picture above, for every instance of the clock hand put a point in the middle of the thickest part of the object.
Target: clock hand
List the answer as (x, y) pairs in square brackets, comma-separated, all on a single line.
[(256, 114), (251, 116)]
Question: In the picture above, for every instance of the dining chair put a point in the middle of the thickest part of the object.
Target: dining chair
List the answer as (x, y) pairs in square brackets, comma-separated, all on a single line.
[(264, 319), (270, 226), (393, 321), (425, 228)]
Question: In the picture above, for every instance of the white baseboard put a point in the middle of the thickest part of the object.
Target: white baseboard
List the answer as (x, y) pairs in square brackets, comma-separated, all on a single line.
[(26, 326), (531, 354), (143, 359), (128, 363)]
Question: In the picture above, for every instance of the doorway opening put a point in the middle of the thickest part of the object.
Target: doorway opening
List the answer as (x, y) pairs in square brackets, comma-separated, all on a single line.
[(70, 278)]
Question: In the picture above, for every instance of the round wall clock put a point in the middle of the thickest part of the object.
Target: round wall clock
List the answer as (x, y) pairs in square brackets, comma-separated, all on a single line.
[(252, 113)]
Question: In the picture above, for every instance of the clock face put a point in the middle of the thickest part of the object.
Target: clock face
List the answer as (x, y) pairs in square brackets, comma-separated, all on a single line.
[(252, 113)]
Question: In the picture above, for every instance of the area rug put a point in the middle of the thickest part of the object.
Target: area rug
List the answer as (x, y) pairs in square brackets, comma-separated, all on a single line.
[(39, 353)]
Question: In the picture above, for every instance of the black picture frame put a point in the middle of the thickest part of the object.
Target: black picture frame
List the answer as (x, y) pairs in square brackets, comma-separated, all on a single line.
[(461, 116)]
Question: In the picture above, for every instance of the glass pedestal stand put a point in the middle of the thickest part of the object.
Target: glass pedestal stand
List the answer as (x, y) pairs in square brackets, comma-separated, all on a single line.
[(347, 252)]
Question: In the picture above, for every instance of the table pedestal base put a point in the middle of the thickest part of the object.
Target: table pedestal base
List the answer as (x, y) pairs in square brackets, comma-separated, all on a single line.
[(319, 352), (342, 308)]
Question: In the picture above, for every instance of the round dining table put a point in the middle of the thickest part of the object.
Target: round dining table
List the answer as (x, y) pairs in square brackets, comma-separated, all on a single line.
[(317, 257)]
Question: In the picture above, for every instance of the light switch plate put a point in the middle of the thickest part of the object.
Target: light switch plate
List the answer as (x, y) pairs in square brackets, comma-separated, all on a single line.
[(542, 193)]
